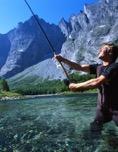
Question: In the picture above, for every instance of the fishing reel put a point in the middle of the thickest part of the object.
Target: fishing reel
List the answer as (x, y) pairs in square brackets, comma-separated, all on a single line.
[(66, 82)]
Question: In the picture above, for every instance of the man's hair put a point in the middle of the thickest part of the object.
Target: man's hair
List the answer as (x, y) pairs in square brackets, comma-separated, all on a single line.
[(114, 48)]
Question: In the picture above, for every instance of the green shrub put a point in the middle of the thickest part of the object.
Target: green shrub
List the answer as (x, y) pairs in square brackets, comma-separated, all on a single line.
[(46, 86), (3, 85)]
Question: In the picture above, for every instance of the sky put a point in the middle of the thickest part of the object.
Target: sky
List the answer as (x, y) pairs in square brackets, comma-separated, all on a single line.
[(14, 11)]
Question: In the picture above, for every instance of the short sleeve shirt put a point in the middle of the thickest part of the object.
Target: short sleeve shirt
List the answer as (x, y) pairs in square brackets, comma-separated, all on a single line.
[(108, 91)]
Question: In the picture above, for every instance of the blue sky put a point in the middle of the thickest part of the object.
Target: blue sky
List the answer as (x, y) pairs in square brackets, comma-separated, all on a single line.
[(14, 11)]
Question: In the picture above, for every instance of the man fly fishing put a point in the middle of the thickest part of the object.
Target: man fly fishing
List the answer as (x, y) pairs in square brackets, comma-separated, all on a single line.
[(106, 81)]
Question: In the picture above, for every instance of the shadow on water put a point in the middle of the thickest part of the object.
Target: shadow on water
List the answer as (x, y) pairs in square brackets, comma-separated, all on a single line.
[(53, 125)]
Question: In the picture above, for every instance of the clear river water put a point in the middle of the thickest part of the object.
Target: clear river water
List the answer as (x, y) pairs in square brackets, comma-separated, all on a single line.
[(54, 124)]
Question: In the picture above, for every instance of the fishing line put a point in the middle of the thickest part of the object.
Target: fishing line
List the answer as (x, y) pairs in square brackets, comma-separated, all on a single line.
[(50, 44)]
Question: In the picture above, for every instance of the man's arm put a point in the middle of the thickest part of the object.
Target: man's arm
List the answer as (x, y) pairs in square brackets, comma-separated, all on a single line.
[(78, 67), (90, 84)]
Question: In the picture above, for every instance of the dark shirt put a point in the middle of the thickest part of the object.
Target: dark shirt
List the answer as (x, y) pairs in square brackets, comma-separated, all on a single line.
[(108, 91)]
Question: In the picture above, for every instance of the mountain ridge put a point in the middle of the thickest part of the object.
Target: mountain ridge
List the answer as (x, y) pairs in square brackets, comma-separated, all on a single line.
[(29, 46), (85, 32)]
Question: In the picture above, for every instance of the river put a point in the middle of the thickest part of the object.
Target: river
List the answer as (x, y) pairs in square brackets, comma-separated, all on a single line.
[(54, 124)]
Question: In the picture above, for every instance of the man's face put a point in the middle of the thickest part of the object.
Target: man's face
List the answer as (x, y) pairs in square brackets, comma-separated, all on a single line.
[(104, 53)]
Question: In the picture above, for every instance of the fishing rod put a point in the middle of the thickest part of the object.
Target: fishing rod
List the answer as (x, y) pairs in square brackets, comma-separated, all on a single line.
[(49, 42)]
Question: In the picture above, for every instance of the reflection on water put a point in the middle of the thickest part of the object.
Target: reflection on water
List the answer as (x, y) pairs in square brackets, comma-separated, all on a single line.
[(55, 124)]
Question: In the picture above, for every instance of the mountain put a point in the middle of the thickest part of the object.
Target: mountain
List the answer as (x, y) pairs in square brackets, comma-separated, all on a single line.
[(85, 32), (46, 70), (33, 75), (96, 24), (28, 45), (4, 48)]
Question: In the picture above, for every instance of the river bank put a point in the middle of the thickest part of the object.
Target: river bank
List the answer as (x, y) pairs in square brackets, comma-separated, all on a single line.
[(8, 95), (65, 94)]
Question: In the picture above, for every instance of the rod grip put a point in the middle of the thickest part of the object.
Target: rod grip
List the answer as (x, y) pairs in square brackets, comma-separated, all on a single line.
[(66, 82)]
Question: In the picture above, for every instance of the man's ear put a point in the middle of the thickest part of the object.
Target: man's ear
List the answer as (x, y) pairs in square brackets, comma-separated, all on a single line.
[(110, 53)]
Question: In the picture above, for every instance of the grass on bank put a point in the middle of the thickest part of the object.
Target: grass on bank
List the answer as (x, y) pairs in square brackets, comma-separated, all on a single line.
[(9, 94), (5, 91)]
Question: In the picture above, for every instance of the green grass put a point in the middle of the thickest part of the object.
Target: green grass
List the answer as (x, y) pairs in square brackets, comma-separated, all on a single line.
[(9, 94)]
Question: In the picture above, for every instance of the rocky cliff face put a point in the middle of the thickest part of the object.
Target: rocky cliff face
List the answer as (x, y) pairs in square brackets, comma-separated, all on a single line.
[(98, 23), (28, 45), (45, 70)]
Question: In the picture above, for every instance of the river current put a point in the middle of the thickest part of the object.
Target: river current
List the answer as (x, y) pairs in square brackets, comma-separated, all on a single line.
[(54, 124)]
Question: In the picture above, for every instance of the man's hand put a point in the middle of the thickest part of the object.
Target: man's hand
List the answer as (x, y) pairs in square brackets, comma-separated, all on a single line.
[(72, 64), (73, 87), (59, 58)]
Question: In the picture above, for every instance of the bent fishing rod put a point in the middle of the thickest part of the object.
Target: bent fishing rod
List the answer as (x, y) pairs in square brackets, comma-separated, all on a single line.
[(49, 42)]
